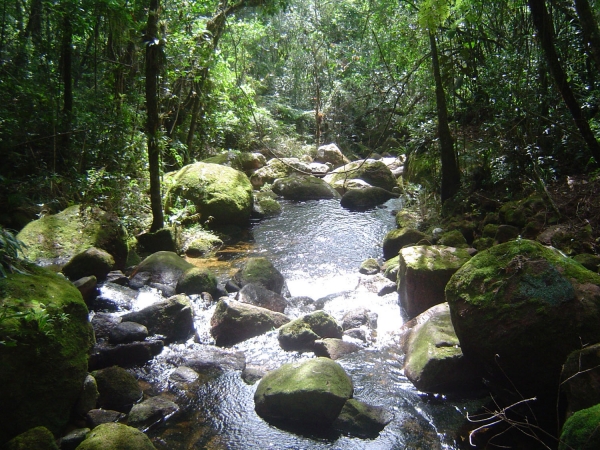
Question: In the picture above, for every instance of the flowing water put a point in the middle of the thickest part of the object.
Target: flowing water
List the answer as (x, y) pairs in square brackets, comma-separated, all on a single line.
[(318, 247)]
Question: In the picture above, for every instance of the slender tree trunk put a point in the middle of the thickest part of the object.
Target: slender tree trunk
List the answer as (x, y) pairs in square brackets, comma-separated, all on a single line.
[(589, 27), (543, 25), (153, 121), (450, 170)]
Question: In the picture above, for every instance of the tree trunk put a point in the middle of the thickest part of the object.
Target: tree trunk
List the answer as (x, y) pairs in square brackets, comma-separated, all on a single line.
[(543, 25), (450, 171), (153, 122), (66, 58), (589, 27)]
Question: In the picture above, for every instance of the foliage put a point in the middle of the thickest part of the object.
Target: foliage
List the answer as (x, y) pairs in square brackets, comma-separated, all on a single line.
[(10, 260), (18, 324)]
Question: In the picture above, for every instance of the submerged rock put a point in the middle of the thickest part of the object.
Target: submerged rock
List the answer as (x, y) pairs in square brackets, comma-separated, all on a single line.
[(116, 436), (311, 392)]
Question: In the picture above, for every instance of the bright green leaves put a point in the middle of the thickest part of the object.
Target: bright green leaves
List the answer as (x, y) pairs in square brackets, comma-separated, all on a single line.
[(433, 13)]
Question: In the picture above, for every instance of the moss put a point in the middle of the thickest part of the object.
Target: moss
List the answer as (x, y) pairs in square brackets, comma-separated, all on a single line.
[(260, 271), (582, 430), (38, 438), (453, 238), (489, 230), (118, 389), (376, 173), (196, 281), (42, 375), (116, 436), (483, 243), (590, 262), (434, 257)]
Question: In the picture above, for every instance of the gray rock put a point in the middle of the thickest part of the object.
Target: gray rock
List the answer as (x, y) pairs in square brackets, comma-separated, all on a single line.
[(334, 348), (361, 420), (126, 332), (150, 412), (366, 198), (87, 287), (255, 294), (88, 398), (302, 188), (71, 440), (124, 355), (97, 417), (358, 317)]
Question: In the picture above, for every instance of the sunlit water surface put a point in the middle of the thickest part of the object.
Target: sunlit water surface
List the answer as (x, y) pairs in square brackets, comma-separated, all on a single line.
[(318, 247)]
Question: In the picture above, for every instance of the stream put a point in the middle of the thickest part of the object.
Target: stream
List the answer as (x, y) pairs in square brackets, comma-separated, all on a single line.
[(318, 247)]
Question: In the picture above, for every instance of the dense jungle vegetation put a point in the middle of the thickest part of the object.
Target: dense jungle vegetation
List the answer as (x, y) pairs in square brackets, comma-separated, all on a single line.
[(99, 98)]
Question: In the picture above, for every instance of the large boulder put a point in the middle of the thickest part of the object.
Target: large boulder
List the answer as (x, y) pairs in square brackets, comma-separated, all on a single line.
[(301, 334), (374, 172), (172, 318), (196, 281), (91, 262), (519, 309), (161, 270), (234, 322), (116, 436), (46, 337), (262, 272), (55, 239), (434, 361), (216, 191), (310, 392), (401, 237), (423, 273), (277, 168), (581, 431), (302, 188), (38, 438), (119, 390), (367, 198), (331, 154)]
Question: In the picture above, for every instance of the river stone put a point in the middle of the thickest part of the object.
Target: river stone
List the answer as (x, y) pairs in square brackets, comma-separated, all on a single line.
[(266, 205), (124, 355), (262, 272), (87, 287), (434, 361), (255, 294), (312, 391), (93, 261), (220, 194), (519, 309), (277, 168), (183, 375), (301, 334), (367, 198), (55, 239), (159, 269), (361, 420), (376, 173), (402, 237), (42, 373), (38, 438), (369, 267), (172, 318), (302, 188), (234, 322), (73, 438), (201, 244), (209, 359), (126, 332), (116, 436), (331, 154), (151, 411), (118, 389), (423, 273), (334, 348), (88, 398), (580, 379), (581, 430), (96, 417), (196, 281), (358, 317)]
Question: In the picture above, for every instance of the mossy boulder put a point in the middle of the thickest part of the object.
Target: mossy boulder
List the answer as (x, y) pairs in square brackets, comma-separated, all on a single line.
[(199, 242), (331, 154), (309, 392), (423, 273), (260, 271), (581, 430), (91, 262), (159, 269), (376, 173), (234, 322), (116, 436), (434, 361), (266, 205), (163, 240), (196, 281), (396, 239), (119, 390), (580, 379), (151, 411), (301, 334), (519, 309), (277, 168), (43, 359), (453, 238), (38, 438), (244, 161), (302, 188), (366, 198), (369, 266), (216, 191), (55, 239), (361, 419), (590, 262)]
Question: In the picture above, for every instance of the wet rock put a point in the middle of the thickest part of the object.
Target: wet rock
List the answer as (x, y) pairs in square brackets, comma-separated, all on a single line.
[(234, 322), (366, 198), (118, 389), (103, 323), (124, 355), (423, 273), (331, 154), (88, 397), (376, 173), (92, 261), (301, 334), (434, 361), (312, 391), (126, 332), (581, 430), (580, 379), (358, 317), (71, 440), (369, 267), (302, 188), (87, 287), (390, 268), (116, 436), (183, 375), (159, 270), (113, 297), (38, 438), (208, 359), (396, 239), (196, 281), (334, 348), (255, 294), (172, 318), (251, 375), (97, 417), (262, 272), (361, 420), (150, 412), (356, 333), (265, 205), (378, 284), (117, 277)]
